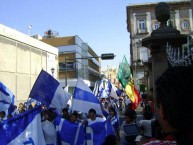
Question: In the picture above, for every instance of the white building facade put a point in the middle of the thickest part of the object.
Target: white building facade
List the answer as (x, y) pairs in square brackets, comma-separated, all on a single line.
[(22, 59)]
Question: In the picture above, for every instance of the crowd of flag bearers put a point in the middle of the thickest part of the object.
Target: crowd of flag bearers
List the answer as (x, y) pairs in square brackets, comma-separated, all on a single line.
[(52, 116), (47, 118)]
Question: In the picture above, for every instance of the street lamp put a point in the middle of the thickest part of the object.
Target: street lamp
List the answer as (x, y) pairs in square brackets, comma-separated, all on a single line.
[(52, 70), (106, 56)]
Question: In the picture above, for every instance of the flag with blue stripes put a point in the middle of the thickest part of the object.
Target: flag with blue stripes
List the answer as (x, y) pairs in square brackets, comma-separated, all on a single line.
[(84, 99), (96, 89), (113, 91), (6, 99), (97, 132), (103, 89), (69, 133), (49, 92), (23, 129)]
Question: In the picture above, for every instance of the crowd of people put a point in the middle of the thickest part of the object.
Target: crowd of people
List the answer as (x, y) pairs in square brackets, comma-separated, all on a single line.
[(165, 118)]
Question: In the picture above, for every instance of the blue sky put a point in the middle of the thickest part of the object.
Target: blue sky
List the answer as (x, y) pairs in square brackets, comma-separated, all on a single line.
[(100, 23)]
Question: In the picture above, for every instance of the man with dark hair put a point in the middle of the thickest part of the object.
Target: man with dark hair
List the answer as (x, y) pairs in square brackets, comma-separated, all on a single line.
[(93, 118), (174, 103), (94, 128), (65, 113), (74, 117)]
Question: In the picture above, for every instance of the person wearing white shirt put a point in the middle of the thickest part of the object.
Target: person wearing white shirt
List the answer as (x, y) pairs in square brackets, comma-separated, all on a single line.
[(93, 118)]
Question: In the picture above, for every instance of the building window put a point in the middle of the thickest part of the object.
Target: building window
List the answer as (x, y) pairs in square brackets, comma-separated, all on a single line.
[(70, 66), (171, 23), (141, 26), (185, 24), (156, 26)]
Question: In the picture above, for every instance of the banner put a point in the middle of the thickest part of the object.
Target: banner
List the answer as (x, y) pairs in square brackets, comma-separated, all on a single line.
[(23, 129)]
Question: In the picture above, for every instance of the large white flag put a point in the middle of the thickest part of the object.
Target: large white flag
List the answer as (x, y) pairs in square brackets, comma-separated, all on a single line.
[(49, 92), (84, 99), (23, 129)]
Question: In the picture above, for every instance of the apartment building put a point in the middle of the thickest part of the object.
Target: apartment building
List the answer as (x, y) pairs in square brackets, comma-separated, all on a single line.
[(74, 62), (22, 59), (141, 21)]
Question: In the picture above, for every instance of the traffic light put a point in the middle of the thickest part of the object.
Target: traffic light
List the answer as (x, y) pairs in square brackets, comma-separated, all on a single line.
[(107, 56)]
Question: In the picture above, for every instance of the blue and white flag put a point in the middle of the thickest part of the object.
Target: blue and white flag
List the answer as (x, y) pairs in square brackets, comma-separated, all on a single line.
[(97, 132), (96, 89), (113, 91), (69, 133), (24, 129), (49, 131), (6, 99), (49, 92), (106, 89), (84, 99), (103, 89)]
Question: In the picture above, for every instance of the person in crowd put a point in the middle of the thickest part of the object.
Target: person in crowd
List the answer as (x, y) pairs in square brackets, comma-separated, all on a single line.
[(174, 104), (105, 109), (114, 103), (30, 106), (74, 117), (94, 125), (129, 107), (92, 117), (146, 126), (25, 106), (130, 116), (65, 114), (21, 108), (15, 112), (151, 100), (143, 96), (120, 104), (48, 128), (109, 101), (103, 100), (113, 117), (46, 116), (53, 113), (147, 109)]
